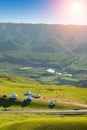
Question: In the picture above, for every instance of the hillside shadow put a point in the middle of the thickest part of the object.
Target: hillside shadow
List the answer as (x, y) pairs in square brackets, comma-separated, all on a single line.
[(4, 102), (25, 103), (38, 105), (8, 102)]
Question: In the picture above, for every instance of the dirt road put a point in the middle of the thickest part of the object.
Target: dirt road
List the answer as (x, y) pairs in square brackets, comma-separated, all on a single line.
[(59, 112)]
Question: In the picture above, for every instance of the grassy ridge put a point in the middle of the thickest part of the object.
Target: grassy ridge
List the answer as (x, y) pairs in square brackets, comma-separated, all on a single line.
[(10, 84), (43, 122), (62, 94)]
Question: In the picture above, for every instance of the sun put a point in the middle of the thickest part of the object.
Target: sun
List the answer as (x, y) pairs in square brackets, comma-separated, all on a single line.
[(76, 8)]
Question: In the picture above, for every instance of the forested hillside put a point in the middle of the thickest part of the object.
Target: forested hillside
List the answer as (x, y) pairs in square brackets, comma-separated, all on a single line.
[(42, 44)]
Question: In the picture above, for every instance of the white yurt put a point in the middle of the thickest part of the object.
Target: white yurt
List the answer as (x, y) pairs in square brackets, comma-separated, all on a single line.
[(27, 93), (28, 98), (14, 96)]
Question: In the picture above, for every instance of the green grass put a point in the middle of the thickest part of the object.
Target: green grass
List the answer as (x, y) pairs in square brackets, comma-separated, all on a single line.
[(65, 95), (21, 121), (42, 122)]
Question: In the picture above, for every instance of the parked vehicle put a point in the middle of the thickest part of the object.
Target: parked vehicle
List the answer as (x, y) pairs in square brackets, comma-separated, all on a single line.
[(36, 96), (52, 103)]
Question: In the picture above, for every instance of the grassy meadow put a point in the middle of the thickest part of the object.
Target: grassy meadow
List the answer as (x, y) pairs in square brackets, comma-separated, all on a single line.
[(67, 97), (42, 122)]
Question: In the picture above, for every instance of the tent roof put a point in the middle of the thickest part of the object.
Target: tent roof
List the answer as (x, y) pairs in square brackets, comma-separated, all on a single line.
[(14, 96), (27, 93), (28, 98)]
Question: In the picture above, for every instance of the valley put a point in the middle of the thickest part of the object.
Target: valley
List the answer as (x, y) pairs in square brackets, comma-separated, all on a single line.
[(48, 76)]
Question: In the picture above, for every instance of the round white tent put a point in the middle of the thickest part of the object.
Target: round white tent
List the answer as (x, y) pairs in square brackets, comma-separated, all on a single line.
[(28, 98), (27, 93), (14, 96)]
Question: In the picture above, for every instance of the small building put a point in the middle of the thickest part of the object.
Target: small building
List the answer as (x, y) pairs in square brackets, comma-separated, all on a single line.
[(14, 96)]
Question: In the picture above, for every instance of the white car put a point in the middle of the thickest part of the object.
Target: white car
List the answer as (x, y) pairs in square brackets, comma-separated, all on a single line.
[(36, 96), (52, 103)]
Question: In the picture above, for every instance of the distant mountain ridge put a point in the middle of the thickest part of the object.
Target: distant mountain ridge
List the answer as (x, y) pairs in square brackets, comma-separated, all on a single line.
[(42, 44)]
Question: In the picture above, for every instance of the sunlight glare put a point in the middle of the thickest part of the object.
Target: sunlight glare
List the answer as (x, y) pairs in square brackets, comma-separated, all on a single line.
[(76, 8)]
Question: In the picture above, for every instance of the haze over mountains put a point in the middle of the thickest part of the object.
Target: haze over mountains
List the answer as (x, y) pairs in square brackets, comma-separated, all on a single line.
[(43, 44)]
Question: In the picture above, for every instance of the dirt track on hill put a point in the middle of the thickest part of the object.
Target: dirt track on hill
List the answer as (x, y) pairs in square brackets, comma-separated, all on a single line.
[(73, 103)]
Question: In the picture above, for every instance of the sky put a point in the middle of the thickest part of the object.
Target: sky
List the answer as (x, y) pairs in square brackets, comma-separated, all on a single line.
[(44, 11)]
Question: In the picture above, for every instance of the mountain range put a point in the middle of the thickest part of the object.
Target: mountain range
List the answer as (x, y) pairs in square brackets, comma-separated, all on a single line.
[(43, 45)]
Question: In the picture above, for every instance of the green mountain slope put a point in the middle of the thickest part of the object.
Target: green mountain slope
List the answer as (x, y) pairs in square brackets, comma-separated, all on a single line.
[(42, 44)]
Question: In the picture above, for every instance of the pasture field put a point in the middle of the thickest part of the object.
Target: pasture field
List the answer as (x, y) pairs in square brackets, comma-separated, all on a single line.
[(67, 97), (42, 122)]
